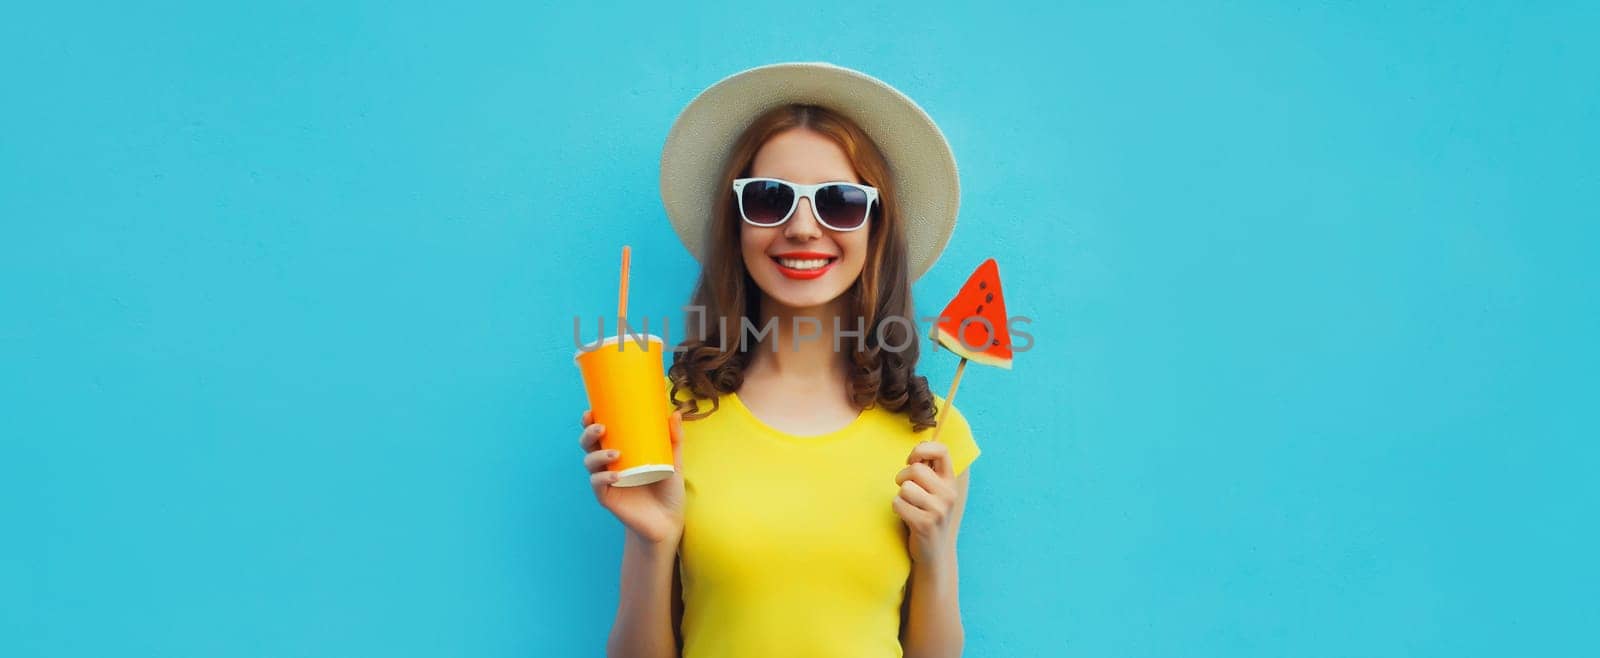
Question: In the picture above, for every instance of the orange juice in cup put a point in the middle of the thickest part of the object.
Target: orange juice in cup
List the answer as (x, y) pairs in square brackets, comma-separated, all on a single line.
[(624, 383)]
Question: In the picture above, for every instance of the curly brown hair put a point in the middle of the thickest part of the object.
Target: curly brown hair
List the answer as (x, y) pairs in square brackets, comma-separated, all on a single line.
[(728, 294)]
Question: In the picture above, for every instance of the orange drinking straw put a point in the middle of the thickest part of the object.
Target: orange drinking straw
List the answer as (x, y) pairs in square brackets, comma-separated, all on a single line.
[(622, 292)]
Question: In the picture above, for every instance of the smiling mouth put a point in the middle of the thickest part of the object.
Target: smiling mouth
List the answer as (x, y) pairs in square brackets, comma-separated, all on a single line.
[(804, 269), (804, 264)]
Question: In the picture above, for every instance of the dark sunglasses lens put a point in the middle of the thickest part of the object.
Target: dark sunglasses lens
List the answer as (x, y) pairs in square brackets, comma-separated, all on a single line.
[(767, 202), (842, 206)]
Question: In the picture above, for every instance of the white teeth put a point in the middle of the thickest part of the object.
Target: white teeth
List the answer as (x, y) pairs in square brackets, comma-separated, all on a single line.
[(808, 264)]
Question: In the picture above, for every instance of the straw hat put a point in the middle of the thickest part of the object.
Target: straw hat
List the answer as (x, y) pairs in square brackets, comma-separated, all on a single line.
[(920, 160)]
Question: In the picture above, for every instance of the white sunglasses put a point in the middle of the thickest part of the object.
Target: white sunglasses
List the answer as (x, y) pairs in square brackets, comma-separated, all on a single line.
[(838, 205)]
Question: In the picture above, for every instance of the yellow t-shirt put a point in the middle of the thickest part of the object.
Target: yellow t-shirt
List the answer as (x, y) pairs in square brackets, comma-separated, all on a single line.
[(791, 547)]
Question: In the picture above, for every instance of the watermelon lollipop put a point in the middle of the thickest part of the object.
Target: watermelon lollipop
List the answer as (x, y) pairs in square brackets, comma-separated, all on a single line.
[(974, 326)]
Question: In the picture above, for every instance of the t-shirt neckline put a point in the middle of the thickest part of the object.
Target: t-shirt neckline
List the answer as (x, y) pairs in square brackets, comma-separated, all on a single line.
[(835, 435)]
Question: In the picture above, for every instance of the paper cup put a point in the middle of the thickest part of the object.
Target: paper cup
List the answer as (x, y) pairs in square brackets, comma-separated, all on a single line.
[(625, 386)]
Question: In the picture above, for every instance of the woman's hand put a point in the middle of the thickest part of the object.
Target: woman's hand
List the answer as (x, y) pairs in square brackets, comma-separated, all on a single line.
[(653, 512), (927, 497)]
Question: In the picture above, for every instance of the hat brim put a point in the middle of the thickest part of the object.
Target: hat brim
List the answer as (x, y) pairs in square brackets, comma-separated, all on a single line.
[(920, 160)]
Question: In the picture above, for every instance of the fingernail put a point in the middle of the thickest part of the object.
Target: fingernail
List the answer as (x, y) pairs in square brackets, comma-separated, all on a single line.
[(612, 453)]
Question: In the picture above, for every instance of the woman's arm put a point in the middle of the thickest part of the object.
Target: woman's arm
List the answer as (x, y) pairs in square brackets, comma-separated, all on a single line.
[(652, 520), (933, 606), (645, 624)]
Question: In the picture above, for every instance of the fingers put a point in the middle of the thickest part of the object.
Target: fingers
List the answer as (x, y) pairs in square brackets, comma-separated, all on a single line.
[(599, 459), (923, 475), (913, 493), (936, 453), (602, 479), (914, 516), (925, 496), (595, 460), (590, 438)]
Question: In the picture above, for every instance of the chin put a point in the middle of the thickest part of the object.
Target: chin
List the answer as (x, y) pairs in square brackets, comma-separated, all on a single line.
[(803, 301), (800, 294)]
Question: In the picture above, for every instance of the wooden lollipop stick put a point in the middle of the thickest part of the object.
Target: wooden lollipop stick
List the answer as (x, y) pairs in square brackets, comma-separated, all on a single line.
[(949, 399)]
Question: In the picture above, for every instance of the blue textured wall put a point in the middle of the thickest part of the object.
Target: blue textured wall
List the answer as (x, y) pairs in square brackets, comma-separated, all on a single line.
[(285, 301)]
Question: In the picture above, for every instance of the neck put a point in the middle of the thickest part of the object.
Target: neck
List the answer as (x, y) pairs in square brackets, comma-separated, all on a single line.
[(800, 346)]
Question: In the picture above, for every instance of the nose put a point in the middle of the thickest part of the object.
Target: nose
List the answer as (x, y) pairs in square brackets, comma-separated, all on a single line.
[(803, 225)]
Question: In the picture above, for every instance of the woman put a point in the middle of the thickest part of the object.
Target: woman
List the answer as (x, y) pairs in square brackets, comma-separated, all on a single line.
[(811, 516)]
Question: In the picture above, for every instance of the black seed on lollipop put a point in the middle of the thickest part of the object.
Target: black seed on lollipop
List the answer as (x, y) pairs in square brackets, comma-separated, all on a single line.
[(989, 297), (980, 308)]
